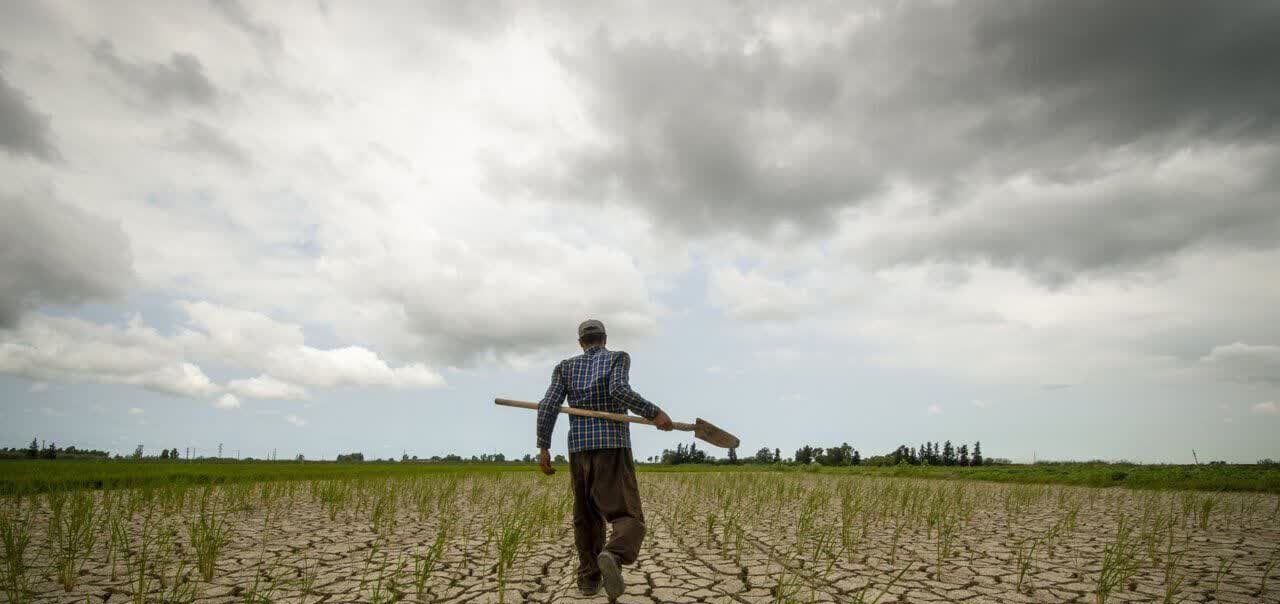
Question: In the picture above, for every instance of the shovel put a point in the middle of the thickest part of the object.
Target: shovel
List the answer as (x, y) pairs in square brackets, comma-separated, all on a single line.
[(701, 429)]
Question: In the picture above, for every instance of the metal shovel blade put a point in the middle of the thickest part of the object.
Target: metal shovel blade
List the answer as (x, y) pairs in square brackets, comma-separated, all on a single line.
[(708, 431)]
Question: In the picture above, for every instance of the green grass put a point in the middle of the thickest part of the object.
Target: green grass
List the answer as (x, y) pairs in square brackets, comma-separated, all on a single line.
[(32, 476)]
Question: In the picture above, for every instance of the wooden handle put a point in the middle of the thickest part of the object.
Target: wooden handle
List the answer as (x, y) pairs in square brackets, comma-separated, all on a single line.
[(617, 417)]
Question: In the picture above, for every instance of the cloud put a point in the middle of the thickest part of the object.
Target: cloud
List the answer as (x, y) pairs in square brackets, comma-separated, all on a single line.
[(37, 387), (254, 340), (200, 139), (295, 420), (1246, 362), (266, 37), (1026, 149), (73, 350), (935, 409), (227, 401), (135, 411), (981, 404), (1268, 408), (180, 80), (23, 130), (54, 253), (266, 387)]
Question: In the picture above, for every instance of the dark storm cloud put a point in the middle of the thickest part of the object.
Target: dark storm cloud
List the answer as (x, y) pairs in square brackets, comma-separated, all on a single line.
[(724, 132), (53, 253), (180, 80), (23, 130), (201, 139)]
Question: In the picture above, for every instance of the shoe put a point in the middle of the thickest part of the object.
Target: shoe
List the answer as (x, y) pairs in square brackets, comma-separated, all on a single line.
[(610, 575), (589, 588)]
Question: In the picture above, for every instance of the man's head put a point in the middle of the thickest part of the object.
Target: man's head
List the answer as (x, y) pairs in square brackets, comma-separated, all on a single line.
[(591, 333)]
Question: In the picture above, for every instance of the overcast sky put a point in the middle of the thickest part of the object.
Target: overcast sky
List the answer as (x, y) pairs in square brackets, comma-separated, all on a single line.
[(324, 226)]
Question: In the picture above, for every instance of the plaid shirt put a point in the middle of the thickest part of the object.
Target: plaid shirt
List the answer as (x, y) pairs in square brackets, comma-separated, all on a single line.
[(597, 380)]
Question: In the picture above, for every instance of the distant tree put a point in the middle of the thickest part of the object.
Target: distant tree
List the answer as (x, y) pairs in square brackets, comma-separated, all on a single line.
[(559, 459), (777, 455), (836, 456), (805, 455), (857, 458), (964, 455), (764, 455), (948, 454), (351, 457), (164, 454), (977, 453), (50, 451), (914, 458), (733, 456), (33, 451), (137, 453)]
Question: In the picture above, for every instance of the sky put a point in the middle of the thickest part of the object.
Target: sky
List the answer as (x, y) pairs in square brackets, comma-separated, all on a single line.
[(323, 227)]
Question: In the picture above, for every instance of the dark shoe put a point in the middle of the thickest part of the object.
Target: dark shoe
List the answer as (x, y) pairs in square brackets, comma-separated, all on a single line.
[(589, 588), (610, 575)]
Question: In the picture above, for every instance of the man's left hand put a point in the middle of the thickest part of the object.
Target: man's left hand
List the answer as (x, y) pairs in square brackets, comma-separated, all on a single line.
[(662, 421)]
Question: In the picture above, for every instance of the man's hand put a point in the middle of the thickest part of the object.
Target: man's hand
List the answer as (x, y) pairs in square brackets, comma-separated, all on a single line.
[(662, 421), (544, 461)]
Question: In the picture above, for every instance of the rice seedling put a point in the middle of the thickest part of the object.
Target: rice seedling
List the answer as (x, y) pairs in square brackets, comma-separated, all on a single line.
[(1266, 571), (1024, 558), (15, 538), (208, 533), (424, 564), (1119, 562), (71, 533), (1223, 569), (1206, 509), (860, 596)]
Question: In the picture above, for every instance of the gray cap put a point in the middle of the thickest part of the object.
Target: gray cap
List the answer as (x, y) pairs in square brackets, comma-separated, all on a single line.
[(590, 327)]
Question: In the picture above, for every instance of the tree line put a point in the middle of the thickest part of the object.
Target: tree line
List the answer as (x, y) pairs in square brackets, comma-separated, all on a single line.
[(929, 453)]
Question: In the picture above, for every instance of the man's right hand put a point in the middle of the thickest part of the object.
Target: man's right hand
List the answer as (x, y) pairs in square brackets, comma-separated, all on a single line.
[(544, 462)]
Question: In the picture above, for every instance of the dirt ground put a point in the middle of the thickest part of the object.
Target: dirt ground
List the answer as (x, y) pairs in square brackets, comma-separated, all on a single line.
[(712, 537)]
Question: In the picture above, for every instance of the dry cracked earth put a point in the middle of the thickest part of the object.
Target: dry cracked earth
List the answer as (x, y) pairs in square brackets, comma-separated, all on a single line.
[(712, 537)]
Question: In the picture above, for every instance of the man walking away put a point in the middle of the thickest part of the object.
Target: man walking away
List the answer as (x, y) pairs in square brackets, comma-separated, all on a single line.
[(603, 472)]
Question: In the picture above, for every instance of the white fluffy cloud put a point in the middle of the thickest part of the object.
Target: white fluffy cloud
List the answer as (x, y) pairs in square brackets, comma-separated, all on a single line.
[(68, 349), (1268, 408), (227, 401), (266, 387)]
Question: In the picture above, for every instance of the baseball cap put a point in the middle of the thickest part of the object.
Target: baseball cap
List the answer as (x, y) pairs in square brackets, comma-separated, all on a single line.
[(590, 327)]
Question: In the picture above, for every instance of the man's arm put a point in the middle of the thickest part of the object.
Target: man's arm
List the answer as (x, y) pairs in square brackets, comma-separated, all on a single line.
[(620, 390), (549, 408)]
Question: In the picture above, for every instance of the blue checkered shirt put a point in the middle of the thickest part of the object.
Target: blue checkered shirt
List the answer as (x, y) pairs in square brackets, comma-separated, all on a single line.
[(596, 380)]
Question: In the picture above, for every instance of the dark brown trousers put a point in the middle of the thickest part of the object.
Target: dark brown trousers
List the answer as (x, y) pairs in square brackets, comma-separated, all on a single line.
[(605, 490)]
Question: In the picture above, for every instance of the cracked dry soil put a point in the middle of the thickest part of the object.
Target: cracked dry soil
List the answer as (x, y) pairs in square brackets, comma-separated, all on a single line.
[(712, 537)]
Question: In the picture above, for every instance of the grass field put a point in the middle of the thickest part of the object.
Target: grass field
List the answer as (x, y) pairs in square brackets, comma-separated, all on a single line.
[(384, 533), (21, 477)]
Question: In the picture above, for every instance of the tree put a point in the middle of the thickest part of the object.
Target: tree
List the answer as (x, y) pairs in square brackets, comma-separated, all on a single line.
[(964, 455), (777, 455), (948, 454), (559, 459), (764, 455), (164, 454), (733, 456), (857, 458), (300, 457), (50, 452), (977, 453), (837, 456), (137, 453), (33, 451), (805, 455)]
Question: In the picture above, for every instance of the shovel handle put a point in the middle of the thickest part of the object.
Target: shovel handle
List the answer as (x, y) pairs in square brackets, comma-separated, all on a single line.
[(617, 417)]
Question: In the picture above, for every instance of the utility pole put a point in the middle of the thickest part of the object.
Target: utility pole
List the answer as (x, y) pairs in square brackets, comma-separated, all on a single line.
[(1193, 456), (219, 450)]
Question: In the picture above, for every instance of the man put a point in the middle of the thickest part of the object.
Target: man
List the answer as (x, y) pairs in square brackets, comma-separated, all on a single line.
[(604, 475)]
